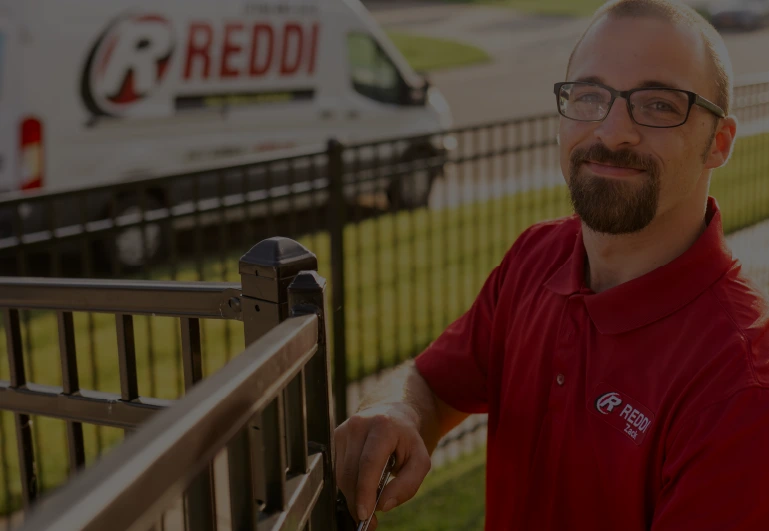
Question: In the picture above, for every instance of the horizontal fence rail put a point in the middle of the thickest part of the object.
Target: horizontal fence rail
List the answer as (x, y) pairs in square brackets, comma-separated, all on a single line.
[(132, 487), (85, 405), (192, 300)]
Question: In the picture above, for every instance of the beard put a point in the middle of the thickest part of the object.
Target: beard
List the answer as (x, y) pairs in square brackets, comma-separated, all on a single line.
[(613, 206)]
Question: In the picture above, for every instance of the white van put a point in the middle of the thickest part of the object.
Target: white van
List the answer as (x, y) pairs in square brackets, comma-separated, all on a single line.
[(94, 92)]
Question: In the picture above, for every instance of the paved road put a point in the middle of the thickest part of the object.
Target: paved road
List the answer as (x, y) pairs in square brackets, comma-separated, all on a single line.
[(529, 55)]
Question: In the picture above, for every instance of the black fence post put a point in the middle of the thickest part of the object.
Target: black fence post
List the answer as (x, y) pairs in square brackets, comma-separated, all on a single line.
[(306, 295), (337, 220), (266, 271)]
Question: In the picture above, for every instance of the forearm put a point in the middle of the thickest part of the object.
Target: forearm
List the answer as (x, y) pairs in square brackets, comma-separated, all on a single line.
[(406, 389)]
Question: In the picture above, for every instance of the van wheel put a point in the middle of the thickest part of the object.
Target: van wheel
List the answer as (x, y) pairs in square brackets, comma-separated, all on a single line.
[(132, 251), (412, 190)]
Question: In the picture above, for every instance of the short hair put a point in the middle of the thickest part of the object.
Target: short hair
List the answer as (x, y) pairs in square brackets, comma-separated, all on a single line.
[(676, 13)]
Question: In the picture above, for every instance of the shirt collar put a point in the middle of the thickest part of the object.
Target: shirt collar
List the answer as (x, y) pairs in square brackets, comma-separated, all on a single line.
[(656, 294)]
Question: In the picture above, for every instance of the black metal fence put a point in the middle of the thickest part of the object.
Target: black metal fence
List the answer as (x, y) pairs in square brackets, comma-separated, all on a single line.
[(405, 229), (267, 415)]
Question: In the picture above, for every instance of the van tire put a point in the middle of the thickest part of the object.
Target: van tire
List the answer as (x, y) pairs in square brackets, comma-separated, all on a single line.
[(412, 190), (126, 246)]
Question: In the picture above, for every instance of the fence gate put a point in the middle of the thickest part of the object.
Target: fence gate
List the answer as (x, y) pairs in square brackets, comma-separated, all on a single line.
[(249, 447)]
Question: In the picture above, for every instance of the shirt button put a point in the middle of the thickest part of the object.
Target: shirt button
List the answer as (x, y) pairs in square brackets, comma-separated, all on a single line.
[(560, 379)]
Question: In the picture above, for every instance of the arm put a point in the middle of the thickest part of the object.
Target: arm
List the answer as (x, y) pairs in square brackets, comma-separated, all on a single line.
[(415, 406), (406, 387), (402, 416)]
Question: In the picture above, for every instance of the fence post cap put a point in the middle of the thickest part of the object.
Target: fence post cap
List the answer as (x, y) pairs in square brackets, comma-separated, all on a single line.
[(307, 282), (334, 144), (277, 257)]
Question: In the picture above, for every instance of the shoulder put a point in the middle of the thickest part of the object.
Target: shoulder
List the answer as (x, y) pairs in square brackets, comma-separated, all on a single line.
[(716, 353), (727, 375), (728, 350), (744, 312)]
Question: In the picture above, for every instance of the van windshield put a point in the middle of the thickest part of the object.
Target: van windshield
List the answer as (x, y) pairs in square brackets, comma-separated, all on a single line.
[(373, 73)]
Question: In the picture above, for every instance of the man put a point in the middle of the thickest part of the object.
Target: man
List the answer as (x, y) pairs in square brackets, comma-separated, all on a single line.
[(620, 355)]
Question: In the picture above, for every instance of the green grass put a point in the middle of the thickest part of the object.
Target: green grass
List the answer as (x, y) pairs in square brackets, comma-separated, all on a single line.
[(452, 498), (742, 187), (578, 8), (429, 54), (407, 276)]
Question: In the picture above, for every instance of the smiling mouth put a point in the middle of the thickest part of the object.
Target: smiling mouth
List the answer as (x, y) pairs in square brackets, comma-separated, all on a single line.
[(607, 170)]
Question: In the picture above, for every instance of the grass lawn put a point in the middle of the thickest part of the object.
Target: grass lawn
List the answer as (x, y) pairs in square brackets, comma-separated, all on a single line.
[(543, 7), (407, 276), (452, 498), (429, 54), (742, 187)]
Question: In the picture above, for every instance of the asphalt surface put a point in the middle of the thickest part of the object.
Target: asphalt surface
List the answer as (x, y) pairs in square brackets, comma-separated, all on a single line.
[(529, 54)]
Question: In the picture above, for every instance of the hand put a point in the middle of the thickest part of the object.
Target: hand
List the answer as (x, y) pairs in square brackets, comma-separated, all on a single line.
[(364, 442)]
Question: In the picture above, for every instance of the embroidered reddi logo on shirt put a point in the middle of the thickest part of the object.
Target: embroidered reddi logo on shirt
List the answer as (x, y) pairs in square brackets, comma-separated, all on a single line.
[(622, 412)]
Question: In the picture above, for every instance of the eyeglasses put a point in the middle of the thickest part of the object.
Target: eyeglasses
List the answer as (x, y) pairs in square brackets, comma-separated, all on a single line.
[(650, 107)]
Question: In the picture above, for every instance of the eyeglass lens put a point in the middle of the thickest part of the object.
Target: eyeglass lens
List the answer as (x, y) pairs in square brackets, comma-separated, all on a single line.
[(653, 107)]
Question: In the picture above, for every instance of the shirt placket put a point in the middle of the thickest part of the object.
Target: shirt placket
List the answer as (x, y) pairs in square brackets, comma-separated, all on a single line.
[(562, 381), (563, 372)]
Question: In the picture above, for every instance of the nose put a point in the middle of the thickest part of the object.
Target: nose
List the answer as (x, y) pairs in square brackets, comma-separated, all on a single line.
[(618, 129)]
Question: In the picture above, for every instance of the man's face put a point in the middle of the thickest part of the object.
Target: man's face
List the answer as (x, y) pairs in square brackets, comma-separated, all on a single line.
[(622, 175)]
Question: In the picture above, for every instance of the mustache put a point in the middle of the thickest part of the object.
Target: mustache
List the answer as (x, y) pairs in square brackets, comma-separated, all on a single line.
[(625, 158)]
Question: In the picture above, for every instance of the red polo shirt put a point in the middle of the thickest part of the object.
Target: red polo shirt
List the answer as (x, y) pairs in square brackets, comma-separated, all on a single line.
[(645, 406)]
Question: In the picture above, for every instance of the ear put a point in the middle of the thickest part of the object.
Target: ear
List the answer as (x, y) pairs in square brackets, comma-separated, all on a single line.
[(723, 143)]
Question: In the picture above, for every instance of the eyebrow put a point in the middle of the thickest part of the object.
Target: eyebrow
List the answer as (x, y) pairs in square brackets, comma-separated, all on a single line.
[(644, 84)]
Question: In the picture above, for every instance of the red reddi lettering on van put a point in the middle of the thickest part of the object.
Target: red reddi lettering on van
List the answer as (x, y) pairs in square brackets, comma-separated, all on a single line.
[(313, 49), (295, 31), (298, 50), (199, 47), (263, 38), (229, 49)]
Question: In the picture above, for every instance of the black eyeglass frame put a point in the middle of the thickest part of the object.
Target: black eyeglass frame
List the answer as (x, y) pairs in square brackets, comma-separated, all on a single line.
[(694, 99)]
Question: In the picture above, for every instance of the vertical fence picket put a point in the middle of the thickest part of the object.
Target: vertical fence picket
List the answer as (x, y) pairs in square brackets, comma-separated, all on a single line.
[(70, 386), (199, 507), (126, 345), (25, 448)]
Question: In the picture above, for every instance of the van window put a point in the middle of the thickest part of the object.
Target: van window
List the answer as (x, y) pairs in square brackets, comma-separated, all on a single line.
[(373, 73)]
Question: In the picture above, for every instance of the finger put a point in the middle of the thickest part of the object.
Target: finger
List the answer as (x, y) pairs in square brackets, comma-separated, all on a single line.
[(407, 482), (373, 524), (373, 458), (348, 479), (340, 450)]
